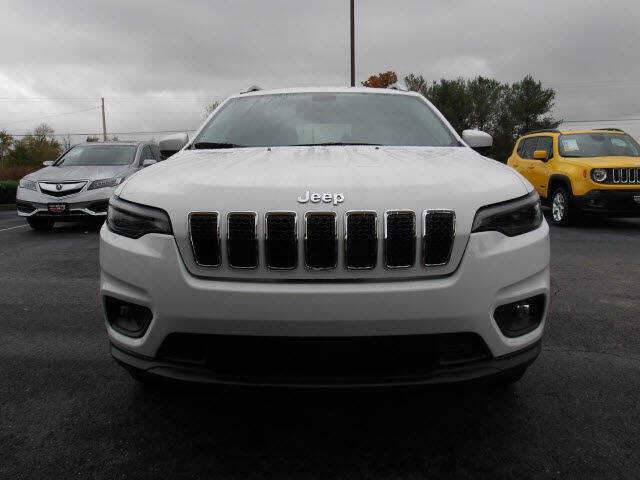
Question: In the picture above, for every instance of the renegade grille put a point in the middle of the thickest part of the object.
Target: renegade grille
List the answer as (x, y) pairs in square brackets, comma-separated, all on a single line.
[(321, 239), (325, 359), (623, 175)]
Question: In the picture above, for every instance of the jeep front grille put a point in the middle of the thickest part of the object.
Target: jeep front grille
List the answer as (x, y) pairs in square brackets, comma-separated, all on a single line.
[(624, 176), (400, 239), (437, 237), (204, 232), (281, 240), (361, 240), (242, 239), (321, 240), (360, 233)]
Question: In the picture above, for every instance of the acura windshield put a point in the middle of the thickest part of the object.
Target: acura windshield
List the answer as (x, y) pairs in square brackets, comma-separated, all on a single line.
[(87, 155), (325, 119), (598, 145)]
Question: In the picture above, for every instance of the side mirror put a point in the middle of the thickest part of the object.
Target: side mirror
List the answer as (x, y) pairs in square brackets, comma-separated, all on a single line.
[(540, 155), (48, 163), (477, 139), (148, 162), (172, 143)]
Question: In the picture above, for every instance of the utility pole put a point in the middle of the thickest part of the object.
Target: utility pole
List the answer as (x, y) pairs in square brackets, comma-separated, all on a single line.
[(104, 123), (353, 51)]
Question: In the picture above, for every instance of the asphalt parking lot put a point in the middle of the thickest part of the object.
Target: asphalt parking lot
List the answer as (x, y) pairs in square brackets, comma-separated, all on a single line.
[(67, 410)]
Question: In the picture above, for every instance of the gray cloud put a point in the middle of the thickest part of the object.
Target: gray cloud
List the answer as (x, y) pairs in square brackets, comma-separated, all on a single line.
[(158, 62)]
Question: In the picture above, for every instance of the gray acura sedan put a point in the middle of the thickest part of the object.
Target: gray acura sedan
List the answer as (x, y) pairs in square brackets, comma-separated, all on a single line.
[(77, 186)]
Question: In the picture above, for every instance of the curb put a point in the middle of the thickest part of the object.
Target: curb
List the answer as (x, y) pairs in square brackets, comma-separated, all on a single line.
[(7, 206)]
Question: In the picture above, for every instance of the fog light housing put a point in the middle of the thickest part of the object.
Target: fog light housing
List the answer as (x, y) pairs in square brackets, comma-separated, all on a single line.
[(521, 317), (127, 318)]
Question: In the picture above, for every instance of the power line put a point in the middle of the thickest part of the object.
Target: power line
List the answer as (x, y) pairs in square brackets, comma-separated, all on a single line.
[(598, 121), (51, 116)]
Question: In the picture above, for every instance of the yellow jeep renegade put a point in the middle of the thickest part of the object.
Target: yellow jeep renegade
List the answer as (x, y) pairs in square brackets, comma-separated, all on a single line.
[(581, 171)]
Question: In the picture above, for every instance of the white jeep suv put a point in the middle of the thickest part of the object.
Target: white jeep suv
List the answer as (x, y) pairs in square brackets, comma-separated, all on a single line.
[(323, 237)]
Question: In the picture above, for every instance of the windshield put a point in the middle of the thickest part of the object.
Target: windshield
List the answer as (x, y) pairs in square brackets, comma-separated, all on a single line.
[(87, 155), (598, 145), (325, 118)]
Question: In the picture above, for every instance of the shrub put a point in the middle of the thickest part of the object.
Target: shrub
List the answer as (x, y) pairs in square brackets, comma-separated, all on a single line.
[(8, 191), (15, 172)]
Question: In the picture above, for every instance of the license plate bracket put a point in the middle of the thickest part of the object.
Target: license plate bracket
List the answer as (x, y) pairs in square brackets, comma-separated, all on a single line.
[(58, 208)]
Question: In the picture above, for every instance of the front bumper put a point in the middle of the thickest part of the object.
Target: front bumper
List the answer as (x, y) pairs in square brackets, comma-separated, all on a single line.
[(85, 205), (610, 202), (494, 271)]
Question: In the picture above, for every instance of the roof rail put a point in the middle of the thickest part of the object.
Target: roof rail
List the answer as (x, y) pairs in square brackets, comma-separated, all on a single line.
[(252, 88), (611, 129), (398, 86), (544, 130)]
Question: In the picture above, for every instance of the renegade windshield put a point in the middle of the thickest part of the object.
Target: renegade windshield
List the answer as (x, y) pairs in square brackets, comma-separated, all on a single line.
[(325, 119), (87, 155), (598, 145)]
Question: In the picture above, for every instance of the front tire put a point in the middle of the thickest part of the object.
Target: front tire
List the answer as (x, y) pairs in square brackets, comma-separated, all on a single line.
[(40, 223), (562, 211)]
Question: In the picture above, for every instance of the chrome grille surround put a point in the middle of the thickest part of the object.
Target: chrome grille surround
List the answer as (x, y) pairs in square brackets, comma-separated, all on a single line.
[(193, 246), (626, 175), (295, 240), (387, 214), (307, 215), (425, 239), (230, 215), (346, 238)]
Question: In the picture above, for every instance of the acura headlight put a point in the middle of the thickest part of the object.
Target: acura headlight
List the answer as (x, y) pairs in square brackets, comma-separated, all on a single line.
[(105, 182), (28, 184), (513, 217), (133, 220), (599, 174)]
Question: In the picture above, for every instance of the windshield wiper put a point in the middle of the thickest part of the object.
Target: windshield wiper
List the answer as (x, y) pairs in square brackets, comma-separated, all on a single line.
[(333, 143), (214, 145)]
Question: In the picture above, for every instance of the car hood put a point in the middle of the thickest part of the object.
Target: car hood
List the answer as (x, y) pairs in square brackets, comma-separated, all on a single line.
[(63, 174), (369, 178), (603, 162)]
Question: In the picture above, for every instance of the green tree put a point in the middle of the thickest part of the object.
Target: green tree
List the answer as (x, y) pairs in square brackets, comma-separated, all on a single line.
[(210, 108), (35, 148), (505, 111), (6, 141)]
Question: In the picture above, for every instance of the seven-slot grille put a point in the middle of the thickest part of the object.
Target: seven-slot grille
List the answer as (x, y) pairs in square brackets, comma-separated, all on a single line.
[(204, 231), (625, 175), (360, 240), (321, 239), (437, 237), (281, 240), (242, 239)]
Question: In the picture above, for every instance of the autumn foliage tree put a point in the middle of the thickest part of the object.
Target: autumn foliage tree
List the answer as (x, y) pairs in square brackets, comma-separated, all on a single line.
[(382, 80)]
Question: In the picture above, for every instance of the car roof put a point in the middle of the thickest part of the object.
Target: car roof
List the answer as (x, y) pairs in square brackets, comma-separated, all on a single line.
[(368, 90), (132, 142), (569, 132)]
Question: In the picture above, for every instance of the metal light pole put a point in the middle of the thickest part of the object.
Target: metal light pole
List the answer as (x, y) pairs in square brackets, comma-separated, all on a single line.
[(353, 51)]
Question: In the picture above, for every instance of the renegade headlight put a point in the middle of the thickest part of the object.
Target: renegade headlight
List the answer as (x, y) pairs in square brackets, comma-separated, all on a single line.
[(133, 220), (28, 184), (511, 218), (599, 174), (105, 182)]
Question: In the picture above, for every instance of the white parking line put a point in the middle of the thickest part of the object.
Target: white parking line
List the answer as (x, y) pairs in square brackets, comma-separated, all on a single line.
[(11, 228)]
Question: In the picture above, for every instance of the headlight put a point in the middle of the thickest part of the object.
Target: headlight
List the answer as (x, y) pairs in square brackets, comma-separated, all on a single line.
[(599, 174), (105, 182), (133, 220), (513, 217), (28, 184)]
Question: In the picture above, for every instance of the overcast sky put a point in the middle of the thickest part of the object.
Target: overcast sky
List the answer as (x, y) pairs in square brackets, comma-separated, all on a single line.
[(158, 63)]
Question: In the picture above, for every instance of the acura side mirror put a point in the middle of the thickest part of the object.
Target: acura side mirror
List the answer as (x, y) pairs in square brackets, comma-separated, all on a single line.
[(48, 163), (148, 162), (172, 144)]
